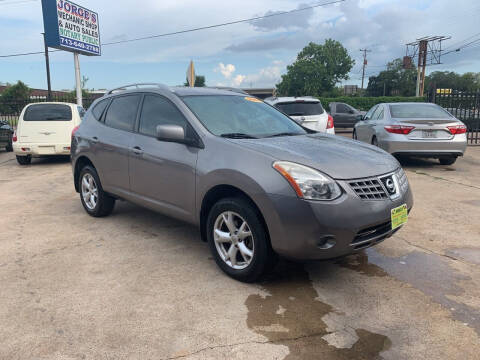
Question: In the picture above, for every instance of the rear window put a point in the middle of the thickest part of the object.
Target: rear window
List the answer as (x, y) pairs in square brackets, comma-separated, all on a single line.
[(48, 112), (301, 108), (405, 111)]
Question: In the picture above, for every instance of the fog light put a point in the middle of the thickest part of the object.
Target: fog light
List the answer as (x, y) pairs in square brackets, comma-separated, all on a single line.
[(326, 242)]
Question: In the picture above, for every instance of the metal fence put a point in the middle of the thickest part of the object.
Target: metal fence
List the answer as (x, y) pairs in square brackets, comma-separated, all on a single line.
[(10, 110), (464, 106)]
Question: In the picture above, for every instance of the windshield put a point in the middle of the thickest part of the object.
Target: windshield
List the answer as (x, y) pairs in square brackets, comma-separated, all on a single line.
[(48, 112), (240, 116), (405, 111), (301, 108)]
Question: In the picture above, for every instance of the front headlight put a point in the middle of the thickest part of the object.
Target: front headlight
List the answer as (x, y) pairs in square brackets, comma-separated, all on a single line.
[(308, 183)]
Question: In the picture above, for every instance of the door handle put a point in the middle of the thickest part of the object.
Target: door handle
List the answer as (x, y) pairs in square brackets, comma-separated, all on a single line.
[(95, 139), (137, 150)]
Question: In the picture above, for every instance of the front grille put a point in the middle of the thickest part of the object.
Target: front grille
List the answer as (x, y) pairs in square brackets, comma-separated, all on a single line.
[(368, 189), (372, 235)]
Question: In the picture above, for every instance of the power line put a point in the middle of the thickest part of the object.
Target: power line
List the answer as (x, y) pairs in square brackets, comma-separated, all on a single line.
[(198, 28)]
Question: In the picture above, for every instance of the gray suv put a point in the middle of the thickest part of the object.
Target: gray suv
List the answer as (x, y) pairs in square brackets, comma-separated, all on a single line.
[(255, 182)]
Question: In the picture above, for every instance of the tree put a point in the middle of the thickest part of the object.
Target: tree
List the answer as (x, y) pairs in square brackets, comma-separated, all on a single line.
[(14, 98), (451, 80), (317, 69), (199, 81), (395, 80)]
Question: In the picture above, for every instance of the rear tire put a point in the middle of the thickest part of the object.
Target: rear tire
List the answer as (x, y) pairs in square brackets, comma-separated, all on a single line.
[(24, 160), (375, 141), (448, 160), (228, 216), (95, 201), (354, 135)]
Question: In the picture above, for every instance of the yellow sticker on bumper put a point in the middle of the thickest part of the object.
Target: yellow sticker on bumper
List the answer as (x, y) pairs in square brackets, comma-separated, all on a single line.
[(399, 216)]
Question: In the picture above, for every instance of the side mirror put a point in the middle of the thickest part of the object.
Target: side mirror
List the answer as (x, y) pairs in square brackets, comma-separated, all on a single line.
[(359, 118), (176, 133)]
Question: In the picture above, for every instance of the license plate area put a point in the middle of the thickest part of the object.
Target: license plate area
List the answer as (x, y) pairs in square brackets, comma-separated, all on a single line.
[(429, 134), (399, 216)]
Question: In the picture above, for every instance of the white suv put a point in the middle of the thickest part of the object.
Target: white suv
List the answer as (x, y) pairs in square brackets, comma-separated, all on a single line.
[(45, 129), (307, 111)]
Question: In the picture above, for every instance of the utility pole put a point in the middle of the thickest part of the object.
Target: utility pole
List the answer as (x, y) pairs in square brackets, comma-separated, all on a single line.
[(78, 81), (365, 62), (47, 64)]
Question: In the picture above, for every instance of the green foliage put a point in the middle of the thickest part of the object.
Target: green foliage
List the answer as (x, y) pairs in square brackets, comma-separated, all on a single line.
[(199, 81), (451, 80), (316, 71), (14, 98), (366, 103), (394, 81)]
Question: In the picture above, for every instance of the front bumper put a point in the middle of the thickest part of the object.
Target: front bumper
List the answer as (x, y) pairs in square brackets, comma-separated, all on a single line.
[(311, 230), (24, 149), (400, 144)]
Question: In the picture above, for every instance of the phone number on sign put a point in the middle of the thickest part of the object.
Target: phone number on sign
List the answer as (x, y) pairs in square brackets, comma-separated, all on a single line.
[(79, 45)]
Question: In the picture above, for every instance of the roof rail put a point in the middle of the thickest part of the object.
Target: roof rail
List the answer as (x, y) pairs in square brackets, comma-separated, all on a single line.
[(137, 86)]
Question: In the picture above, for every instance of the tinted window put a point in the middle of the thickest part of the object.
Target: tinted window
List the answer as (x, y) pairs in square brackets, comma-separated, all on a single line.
[(99, 108), (222, 114), (379, 115), (122, 112), (81, 111), (301, 108), (159, 111), (342, 108), (376, 113), (428, 111), (370, 112), (48, 112)]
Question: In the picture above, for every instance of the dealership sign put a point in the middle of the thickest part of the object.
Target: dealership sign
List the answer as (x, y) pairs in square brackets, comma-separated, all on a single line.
[(71, 27)]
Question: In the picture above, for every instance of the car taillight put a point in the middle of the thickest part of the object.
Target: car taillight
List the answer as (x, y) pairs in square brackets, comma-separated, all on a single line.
[(74, 130), (399, 129), (457, 129), (330, 122), (14, 137)]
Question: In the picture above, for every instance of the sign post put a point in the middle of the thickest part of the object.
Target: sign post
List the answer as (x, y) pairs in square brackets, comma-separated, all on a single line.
[(72, 28), (191, 74)]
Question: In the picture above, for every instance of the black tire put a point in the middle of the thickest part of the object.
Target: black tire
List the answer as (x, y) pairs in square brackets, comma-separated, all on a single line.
[(105, 203), (24, 160), (263, 259), (374, 141), (9, 147), (354, 135), (447, 160)]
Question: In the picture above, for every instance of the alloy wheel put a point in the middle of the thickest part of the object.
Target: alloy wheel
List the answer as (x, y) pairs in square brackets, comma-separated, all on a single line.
[(89, 191), (233, 240)]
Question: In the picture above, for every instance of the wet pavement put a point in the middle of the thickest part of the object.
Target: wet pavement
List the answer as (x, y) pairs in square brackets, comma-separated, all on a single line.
[(138, 285)]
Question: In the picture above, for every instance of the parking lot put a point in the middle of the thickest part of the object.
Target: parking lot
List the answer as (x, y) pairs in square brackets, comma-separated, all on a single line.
[(137, 285)]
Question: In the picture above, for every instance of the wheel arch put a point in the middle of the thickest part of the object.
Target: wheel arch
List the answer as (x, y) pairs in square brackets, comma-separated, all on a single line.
[(80, 163), (223, 191)]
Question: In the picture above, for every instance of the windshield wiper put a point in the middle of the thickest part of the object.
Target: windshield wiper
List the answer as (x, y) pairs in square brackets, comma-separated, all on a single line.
[(238, 136), (283, 134)]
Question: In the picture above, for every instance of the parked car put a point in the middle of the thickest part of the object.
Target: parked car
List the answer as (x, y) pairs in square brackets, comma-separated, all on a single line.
[(45, 129), (307, 111), (6, 136), (414, 129), (344, 115), (255, 182)]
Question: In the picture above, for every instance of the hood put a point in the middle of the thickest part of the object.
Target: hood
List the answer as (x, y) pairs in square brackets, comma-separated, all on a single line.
[(338, 157)]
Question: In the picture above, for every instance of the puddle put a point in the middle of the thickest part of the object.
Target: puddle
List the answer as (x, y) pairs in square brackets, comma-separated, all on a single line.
[(471, 255), (429, 273), (290, 315)]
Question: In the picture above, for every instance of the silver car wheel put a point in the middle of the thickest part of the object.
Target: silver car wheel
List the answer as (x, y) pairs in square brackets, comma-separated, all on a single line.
[(233, 240), (89, 191)]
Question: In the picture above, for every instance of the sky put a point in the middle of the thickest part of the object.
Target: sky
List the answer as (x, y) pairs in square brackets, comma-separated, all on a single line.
[(251, 54)]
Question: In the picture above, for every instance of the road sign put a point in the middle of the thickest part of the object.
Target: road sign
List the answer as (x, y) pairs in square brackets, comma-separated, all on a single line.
[(71, 27), (191, 74)]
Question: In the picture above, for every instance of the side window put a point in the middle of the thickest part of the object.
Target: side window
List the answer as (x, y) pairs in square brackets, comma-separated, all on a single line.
[(99, 108), (376, 113), (159, 111), (81, 111), (122, 112), (342, 109), (370, 112), (379, 115)]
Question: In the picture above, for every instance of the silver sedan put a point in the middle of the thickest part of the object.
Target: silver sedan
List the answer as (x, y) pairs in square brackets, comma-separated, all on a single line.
[(413, 129)]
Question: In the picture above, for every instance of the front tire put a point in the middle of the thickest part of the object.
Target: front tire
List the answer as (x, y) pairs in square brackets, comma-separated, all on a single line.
[(238, 240), (24, 160), (95, 201), (448, 160)]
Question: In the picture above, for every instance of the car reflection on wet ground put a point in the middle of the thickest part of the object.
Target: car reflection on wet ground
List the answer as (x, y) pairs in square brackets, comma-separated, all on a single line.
[(140, 285)]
